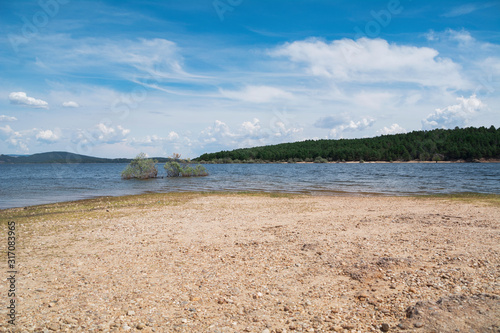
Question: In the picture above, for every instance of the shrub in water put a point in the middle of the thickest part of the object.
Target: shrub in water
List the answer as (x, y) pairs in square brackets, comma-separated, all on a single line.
[(181, 169), (141, 167)]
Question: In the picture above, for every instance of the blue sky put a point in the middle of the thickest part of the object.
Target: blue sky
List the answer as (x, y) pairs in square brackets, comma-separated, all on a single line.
[(115, 78)]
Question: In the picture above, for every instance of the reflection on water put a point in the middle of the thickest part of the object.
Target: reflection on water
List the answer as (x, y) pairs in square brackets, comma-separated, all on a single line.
[(31, 184)]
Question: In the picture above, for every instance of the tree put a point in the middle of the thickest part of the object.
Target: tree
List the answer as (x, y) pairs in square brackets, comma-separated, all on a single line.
[(141, 167)]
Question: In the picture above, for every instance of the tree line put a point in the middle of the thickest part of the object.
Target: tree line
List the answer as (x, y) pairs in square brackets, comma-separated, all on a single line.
[(467, 144)]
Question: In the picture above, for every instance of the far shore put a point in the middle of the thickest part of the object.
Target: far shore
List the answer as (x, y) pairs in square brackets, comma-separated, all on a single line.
[(373, 162)]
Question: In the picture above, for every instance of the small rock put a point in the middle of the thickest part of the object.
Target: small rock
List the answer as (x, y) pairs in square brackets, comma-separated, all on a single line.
[(402, 326), (348, 326), (52, 304), (362, 296), (392, 286), (130, 313), (184, 320), (126, 328), (385, 327), (140, 326), (266, 331), (412, 290), (54, 327), (418, 324)]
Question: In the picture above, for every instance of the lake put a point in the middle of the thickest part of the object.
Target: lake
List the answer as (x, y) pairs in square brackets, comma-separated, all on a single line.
[(32, 184)]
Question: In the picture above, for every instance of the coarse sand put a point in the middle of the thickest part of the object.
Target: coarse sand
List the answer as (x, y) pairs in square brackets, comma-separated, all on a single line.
[(221, 262)]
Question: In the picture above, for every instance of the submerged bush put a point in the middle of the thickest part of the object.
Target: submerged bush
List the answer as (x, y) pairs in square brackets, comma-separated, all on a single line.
[(173, 169), (181, 168), (141, 167)]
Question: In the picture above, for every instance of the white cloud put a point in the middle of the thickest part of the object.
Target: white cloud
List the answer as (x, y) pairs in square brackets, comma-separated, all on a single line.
[(461, 10), (352, 126), (155, 140), (372, 100), (101, 134), (454, 115), (7, 118), (20, 98), (393, 129), (14, 139), (331, 121), (467, 9), (373, 61), (70, 104), (257, 94), (47, 136), (249, 134)]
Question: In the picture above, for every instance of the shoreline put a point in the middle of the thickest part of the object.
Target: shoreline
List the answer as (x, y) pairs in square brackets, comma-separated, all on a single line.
[(229, 262), (458, 195)]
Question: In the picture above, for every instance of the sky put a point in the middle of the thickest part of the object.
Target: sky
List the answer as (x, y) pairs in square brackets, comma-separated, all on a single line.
[(116, 78)]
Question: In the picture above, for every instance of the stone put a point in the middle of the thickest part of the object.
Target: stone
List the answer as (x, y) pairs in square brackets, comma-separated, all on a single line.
[(54, 327), (418, 324), (348, 326), (130, 313), (384, 327)]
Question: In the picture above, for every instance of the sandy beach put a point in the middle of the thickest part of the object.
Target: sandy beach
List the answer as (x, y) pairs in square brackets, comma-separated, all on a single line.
[(256, 263)]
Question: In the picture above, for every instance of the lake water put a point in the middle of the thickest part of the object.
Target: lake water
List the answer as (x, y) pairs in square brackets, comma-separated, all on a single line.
[(32, 184)]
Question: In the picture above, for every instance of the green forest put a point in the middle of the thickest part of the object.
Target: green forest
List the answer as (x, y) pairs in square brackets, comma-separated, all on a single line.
[(469, 144)]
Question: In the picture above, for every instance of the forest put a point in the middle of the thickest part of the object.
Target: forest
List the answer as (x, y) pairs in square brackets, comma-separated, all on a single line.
[(468, 144)]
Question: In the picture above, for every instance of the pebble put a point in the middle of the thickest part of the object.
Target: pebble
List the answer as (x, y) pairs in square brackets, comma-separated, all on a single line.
[(418, 324), (130, 313), (140, 326), (385, 327), (54, 327), (266, 331)]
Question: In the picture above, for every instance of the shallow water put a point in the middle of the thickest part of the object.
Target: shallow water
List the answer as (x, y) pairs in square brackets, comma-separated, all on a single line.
[(32, 184)]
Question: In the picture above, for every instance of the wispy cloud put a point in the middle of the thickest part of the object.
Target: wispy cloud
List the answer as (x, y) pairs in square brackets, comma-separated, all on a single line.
[(257, 94), (468, 9), (7, 118)]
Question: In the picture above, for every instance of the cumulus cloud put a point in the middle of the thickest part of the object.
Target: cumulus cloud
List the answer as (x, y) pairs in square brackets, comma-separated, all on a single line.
[(7, 118), (372, 61), (47, 136), (257, 94), (248, 134), (155, 140), (352, 126), (20, 98), (70, 104), (330, 121), (393, 129), (454, 115), (14, 139), (101, 134)]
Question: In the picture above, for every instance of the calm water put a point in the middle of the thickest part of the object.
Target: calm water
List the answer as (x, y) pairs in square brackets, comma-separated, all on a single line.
[(32, 184)]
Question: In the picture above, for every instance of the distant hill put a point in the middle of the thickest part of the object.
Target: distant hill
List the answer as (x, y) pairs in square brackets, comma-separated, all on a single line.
[(65, 157), (467, 144)]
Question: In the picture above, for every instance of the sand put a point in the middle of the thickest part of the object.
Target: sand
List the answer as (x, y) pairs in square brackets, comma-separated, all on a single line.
[(256, 263)]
